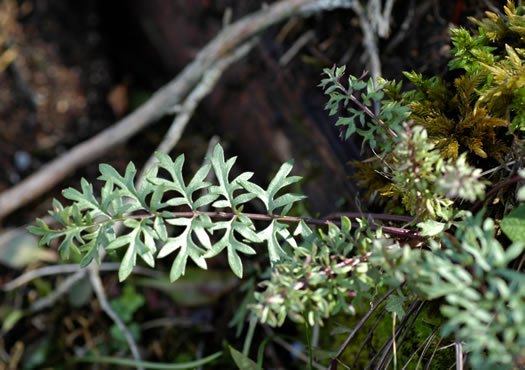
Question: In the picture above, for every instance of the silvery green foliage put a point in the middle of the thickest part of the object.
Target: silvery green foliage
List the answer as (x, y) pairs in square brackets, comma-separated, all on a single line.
[(426, 183), (326, 274), (485, 297), (460, 180), (416, 173), (87, 224)]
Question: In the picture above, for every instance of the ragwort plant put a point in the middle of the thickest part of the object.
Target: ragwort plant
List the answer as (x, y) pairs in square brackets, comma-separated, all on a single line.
[(434, 149)]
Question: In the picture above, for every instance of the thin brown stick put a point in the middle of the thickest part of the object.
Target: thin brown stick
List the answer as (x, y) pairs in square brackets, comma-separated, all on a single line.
[(369, 40), (160, 103), (205, 86), (493, 191)]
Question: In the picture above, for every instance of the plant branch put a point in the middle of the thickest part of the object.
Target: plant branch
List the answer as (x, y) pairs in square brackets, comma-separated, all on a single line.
[(367, 110), (292, 219), (369, 40), (397, 231)]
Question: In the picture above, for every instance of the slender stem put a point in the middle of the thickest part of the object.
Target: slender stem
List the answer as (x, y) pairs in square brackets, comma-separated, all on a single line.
[(249, 336), (375, 216), (494, 190), (397, 231), (385, 348), (407, 329), (308, 341), (370, 114), (311, 221), (148, 364), (333, 363)]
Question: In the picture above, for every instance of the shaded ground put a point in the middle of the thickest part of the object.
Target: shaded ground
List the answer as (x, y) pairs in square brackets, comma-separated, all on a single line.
[(82, 65)]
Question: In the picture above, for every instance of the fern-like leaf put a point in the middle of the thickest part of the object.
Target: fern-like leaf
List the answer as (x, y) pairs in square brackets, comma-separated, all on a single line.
[(243, 226)]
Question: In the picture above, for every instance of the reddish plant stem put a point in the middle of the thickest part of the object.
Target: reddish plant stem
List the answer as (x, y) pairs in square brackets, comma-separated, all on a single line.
[(375, 216), (397, 231), (367, 110), (369, 113), (311, 221), (494, 190)]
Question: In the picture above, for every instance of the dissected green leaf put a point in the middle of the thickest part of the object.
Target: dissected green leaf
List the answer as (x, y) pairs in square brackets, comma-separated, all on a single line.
[(126, 185), (244, 227), (86, 199), (279, 181), (269, 234), (226, 188), (101, 237), (186, 246), (177, 182), (139, 242)]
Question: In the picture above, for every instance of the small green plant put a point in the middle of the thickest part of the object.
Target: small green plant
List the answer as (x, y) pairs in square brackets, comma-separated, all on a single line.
[(431, 148), (88, 223), (125, 306)]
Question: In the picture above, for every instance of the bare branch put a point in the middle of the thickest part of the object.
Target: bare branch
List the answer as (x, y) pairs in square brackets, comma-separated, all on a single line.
[(205, 86)]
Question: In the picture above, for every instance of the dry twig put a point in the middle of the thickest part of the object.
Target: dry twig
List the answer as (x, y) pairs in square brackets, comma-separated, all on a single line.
[(369, 40), (206, 85)]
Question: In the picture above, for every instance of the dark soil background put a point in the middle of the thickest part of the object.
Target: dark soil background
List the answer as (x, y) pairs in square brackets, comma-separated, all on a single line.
[(82, 65)]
